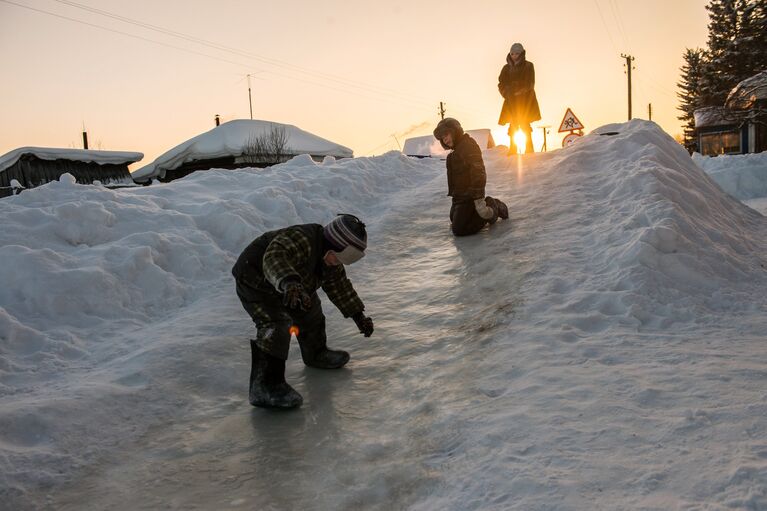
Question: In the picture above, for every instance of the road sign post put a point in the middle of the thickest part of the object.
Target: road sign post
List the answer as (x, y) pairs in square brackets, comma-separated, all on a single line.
[(571, 124)]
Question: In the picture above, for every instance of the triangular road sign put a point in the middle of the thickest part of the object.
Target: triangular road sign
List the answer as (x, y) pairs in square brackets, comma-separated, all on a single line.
[(570, 122)]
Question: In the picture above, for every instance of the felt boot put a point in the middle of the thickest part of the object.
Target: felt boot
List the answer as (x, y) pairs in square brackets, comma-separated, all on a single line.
[(502, 209), (268, 388), (329, 359)]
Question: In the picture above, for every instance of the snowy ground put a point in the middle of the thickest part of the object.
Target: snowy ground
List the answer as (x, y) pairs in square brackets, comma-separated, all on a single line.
[(743, 176), (603, 349)]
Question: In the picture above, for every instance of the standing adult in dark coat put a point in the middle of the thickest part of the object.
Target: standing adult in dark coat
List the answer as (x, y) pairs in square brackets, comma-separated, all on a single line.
[(466, 179), (516, 83)]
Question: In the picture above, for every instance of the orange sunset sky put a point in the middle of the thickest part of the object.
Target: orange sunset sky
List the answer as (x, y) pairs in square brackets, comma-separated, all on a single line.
[(147, 75)]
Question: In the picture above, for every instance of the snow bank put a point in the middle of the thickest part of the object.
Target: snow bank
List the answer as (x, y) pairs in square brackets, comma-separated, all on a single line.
[(659, 242), (743, 176), (76, 256)]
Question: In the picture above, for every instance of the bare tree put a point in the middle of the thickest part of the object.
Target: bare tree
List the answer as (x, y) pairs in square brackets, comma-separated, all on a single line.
[(277, 142), (267, 148)]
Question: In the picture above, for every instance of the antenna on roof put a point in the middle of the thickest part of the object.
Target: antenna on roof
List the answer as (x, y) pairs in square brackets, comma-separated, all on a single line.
[(250, 100)]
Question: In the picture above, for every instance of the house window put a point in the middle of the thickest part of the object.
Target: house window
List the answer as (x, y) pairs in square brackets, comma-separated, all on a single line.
[(722, 142)]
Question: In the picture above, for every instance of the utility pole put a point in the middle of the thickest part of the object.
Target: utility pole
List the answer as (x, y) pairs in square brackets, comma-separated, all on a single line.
[(629, 60), (250, 100), (441, 110), (649, 110)]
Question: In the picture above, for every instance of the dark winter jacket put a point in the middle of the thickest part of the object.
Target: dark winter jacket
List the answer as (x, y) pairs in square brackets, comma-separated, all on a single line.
[(466, 177), (295, 252), (516, 83)]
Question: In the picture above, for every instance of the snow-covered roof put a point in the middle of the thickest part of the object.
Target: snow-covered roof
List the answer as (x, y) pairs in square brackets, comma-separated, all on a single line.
[(430, 146), (714, 116), (747, 93), (84, 155), (232, 139)]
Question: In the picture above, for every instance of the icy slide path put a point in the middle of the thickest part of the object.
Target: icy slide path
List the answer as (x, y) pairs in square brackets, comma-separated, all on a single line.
[(604, 349), (375, 435)]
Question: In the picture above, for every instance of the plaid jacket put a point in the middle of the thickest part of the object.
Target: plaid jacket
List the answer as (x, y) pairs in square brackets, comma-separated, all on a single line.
[(297, 252)]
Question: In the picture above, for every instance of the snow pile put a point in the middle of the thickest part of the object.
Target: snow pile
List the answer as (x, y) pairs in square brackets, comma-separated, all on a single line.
[(743, 176), (232, 139), (605, 344), (79, 256), (658, 240)]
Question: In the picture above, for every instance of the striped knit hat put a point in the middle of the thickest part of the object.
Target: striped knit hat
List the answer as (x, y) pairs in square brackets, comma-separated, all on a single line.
[(347, 237)]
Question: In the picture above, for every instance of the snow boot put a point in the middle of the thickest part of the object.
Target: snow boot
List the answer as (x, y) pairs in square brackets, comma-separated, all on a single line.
[(268, 388), (499, 208), (503, 210), (329, 359)]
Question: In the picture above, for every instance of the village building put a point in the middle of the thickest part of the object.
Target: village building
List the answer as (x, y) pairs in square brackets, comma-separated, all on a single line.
[(740, 125), (28, 167), (429, 147), (237, 144)]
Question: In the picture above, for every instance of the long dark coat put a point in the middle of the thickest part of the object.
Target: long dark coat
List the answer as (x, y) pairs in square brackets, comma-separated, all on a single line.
[(466, 176), (466, 180), (516, 83)]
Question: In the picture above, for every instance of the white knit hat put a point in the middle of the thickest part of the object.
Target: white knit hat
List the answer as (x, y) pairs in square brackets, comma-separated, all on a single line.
[(347, 236)]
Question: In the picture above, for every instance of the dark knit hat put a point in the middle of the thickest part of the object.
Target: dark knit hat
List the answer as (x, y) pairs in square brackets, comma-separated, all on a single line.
[(347, 236), (448, 125)]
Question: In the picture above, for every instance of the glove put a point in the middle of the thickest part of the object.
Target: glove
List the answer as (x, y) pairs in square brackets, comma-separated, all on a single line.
[(364, 323), (294, 296)]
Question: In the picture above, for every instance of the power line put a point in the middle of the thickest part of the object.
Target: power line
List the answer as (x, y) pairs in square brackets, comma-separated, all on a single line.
[(621, 28), (121, 32), (384, 97), (607, 29), (267, 60), (663, 90)]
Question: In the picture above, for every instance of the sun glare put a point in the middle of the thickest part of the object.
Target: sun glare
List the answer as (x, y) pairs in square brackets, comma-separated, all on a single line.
[(520, 139), (501, 136)]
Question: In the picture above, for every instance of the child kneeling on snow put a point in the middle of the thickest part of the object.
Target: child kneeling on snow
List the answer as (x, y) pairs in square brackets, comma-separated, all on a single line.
[(466, 179)]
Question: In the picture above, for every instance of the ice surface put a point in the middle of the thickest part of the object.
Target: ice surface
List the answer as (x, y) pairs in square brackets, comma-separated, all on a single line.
[(602, 349)]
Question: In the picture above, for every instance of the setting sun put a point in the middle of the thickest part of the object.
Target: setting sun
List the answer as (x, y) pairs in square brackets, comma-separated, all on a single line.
[(520, 140)]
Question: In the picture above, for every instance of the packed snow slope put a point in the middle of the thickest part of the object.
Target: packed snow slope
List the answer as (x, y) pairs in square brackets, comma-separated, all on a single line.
[(602, 349)]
